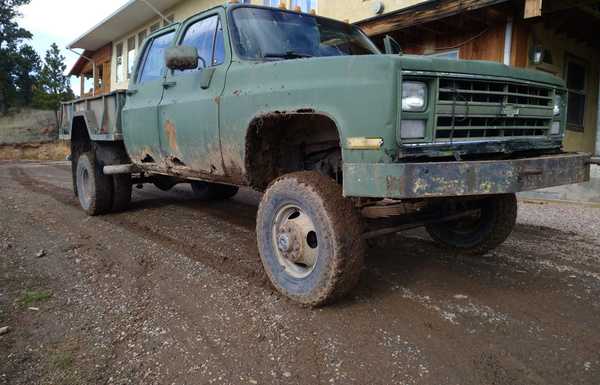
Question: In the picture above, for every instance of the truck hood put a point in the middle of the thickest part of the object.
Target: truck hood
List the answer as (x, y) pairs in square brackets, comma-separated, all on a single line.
[(474, 67)]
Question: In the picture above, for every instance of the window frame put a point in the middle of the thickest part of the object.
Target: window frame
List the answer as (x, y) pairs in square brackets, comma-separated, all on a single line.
[(264, 3), (292, 6), (154, 27), (120, 76), (141, 37), (170, 19), (583, 92), (131, 65)]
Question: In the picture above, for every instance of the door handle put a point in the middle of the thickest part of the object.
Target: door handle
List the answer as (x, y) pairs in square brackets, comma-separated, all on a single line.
[(169, 84)]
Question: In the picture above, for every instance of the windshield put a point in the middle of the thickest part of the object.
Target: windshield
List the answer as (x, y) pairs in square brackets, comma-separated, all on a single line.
[(264, 34)]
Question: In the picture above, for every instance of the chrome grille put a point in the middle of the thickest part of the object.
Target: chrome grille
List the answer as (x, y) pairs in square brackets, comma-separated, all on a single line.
[(477, 109)]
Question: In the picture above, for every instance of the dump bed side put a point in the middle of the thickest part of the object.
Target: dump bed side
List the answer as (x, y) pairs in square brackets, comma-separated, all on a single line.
[(100, 115)]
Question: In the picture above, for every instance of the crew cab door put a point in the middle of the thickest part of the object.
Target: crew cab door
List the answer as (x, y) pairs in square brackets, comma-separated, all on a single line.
[(140, 114), (189, 111)]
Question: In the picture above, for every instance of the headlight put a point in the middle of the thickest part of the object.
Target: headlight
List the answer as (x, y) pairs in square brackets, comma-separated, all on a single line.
[(557, 105), (414, 96)]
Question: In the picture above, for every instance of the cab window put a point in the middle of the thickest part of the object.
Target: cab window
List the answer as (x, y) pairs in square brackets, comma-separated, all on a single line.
[(207, 36), (154, 58)]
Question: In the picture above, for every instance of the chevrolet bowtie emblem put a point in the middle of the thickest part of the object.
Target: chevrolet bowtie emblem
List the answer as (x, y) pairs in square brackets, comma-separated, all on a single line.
[(510, 111)]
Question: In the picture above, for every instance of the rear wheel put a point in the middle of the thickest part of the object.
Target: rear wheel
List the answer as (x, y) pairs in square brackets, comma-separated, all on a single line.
[(309, 238), (491, 223), (213, 191), (94, 189)]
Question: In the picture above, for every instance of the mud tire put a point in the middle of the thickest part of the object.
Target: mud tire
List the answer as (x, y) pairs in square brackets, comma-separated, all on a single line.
[(122, 188), (95, 190), (340, 260), (497, 221), (206, 191)]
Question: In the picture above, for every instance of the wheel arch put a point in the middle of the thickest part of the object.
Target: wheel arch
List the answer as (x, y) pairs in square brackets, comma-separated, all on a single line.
[(274, 140)]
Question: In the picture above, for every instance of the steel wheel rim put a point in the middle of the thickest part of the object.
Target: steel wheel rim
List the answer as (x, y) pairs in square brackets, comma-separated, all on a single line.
[(295, 241), (84, 185)]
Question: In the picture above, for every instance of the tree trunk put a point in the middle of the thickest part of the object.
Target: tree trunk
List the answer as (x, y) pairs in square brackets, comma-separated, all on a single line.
[(3, 106)]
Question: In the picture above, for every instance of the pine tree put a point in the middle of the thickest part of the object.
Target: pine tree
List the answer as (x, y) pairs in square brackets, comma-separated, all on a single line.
[(11, 35), (53, 85), (28, 66)]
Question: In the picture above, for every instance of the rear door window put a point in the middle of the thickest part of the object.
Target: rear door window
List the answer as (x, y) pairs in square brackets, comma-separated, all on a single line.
[(154, 58)]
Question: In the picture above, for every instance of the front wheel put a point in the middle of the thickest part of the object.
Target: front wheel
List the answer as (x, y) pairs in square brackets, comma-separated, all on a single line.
[(309, 238), (491, 223)]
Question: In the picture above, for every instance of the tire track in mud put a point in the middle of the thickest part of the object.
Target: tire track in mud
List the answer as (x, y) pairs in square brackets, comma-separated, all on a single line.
[(140, 285), (204, 254)]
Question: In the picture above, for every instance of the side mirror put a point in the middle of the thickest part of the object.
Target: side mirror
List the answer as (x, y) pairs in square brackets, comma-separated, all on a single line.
[(182, 58), (392, 47)]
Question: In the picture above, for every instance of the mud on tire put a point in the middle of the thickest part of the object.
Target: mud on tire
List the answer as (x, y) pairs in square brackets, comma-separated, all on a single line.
[(309, 238), (497, 218), (94, 189)]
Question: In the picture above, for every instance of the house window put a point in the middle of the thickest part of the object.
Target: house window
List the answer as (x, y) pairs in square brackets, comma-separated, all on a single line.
[(576, 81), (170, 20), (154, 27), (120, 64), (130, 56), (88, 84), (100, 77), (141, 37), (272, 3), (305, 5), (247, 2), (453, 55)]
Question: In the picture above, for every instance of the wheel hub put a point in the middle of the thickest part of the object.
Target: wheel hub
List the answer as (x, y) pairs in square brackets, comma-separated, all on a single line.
[(289, 243), (294, 240)]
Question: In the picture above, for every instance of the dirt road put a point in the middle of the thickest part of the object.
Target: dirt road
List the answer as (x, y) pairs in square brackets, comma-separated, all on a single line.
[(172, 292)]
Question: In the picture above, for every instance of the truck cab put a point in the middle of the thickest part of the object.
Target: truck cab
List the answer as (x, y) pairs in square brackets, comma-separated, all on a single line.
[(346, 142)]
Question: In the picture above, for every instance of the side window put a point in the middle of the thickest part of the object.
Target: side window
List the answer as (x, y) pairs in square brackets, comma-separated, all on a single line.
[(202, 35), (154, 58)]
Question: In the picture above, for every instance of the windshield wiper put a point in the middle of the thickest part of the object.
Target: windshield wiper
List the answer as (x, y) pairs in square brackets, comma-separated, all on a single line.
[(287, 55)]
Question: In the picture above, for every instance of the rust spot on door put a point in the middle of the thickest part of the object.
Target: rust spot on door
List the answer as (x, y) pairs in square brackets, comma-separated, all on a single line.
[(171, 134)]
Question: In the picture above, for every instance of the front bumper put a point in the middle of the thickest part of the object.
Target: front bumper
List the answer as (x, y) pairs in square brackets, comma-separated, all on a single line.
[(448, 179)]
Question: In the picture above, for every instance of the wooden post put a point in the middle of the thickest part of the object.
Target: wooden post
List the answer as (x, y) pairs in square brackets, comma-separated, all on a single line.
[(533, 8)]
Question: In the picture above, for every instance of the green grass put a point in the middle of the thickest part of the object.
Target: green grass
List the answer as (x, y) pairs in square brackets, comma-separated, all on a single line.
[(62, 360), (31, 297)]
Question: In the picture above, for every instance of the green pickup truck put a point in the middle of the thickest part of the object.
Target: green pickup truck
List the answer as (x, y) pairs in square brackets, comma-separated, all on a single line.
[(346, 142)]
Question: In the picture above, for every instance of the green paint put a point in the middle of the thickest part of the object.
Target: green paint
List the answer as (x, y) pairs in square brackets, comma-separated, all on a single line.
[(199, 120)]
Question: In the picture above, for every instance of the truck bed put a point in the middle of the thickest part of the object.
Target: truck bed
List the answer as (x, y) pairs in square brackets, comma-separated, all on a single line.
[(101, 114)]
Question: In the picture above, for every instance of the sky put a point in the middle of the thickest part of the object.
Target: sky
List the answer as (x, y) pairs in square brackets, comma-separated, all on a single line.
[(62, 21)]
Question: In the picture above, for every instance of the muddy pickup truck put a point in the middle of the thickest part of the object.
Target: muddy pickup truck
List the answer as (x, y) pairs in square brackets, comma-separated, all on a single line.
[(346, 142)]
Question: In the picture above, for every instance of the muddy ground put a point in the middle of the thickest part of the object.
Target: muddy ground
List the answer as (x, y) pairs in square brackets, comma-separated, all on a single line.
[(172, 292)]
